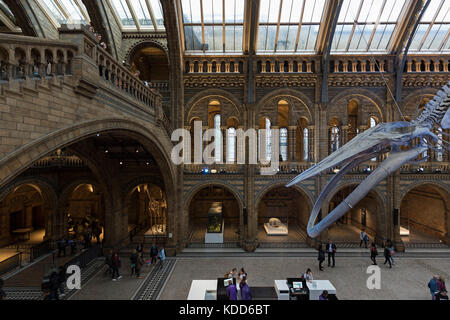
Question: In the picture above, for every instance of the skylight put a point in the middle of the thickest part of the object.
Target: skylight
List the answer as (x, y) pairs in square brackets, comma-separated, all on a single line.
[(7, 18), (65, 11), (138, 15), (366, 25), (433, 32), (289, 25), (213, 26)]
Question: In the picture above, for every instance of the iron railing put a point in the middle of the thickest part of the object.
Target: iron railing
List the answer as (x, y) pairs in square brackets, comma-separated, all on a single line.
[(85, 257)]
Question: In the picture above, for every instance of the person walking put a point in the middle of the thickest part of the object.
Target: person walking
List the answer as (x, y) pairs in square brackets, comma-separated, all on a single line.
[(115, 267), (133, 261), (392, 252), (331, 250), (321, 257), (246, 292), (232, 292), (162, 256), (153, 253), (432, 285), (373, 253), (364, 238), (139, 263), (387, 255)]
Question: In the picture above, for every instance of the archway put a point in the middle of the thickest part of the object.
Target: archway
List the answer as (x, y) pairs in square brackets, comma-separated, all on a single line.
[(366, 215), (291, 207), (424, 215), (205, 204), (152, 64)]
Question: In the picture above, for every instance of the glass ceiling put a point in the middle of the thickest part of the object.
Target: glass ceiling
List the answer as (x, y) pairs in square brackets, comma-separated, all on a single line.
[(289, 25), (65, 11), (366, 25), (7, 18), (138, 15), (433, 31), (213, 26)]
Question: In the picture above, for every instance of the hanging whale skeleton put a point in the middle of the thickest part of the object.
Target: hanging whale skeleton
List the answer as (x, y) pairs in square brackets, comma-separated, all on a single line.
[(381, 139)]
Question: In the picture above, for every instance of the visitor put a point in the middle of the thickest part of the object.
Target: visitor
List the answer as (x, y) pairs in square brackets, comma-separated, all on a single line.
[(242, 274), (387, 255), (2, 292), (87, 239), (62, 247), (153, 253), (392, 252), (54, 285), (232, 292), (108, 263), (234, 274), (321, 257), (441, 284), (432, 285), (364, 238), (97, 231), (73, 246), (115, 267), (373, 253), (246, 292), (442, 295), (331, 250), (133, 261), (162, 256), (324, 295), (308, 276), (62, 280), (139, 263), (140, 249)]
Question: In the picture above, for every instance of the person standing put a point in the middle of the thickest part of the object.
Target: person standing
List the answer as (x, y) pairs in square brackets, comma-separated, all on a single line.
[(62, 247), (54, 285), (441, 284), (232, 292), (391, 252), (140, 249), (331, 250), (133, 261), (308, 276), (162, 256), (321, 257), (62, 280), (246, 292), (373, 253), (139, 263), (387, 255), (364, 238), (116, 266), (432, 284), (153, 253)]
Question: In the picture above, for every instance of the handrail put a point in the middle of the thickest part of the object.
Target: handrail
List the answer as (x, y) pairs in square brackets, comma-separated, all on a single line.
[(11, 263), (421, 224)]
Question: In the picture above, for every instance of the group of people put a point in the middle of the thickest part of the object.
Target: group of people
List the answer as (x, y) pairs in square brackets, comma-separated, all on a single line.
[(137, 261), (239, 278), (437, 287), (98, 36), (331, 251)]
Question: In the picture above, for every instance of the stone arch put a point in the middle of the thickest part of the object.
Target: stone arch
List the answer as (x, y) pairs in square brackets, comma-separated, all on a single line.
[(265, 106), (228, 104), (132, 50), (47, 190), (301, 190), (380, 230), (411, 101), (338, 109), (442, 190)]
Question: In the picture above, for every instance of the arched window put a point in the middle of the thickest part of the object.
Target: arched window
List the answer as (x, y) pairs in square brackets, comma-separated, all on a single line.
[(334, 139), (218, 142), (231, 144), (284, 144), (305, 144)]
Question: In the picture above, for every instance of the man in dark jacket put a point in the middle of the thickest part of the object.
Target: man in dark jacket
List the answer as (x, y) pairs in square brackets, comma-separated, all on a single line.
[(331, 250), (321, 257), (153, 253)]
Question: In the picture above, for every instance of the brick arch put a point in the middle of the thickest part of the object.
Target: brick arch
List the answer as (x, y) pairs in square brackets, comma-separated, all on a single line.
[(411, 101), (48, 193), (303, 191), (284, 94), (350, 94)]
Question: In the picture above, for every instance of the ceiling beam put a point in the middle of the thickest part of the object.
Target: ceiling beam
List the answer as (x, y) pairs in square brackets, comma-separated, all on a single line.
[(333, 11), (25, 18), (410, 27), (133, 14), (254, 16)]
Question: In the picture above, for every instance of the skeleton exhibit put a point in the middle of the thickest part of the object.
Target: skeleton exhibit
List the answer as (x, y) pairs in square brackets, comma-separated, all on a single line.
[(385, 138)]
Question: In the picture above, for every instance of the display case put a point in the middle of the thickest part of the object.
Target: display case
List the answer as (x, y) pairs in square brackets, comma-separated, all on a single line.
[(215, 218)]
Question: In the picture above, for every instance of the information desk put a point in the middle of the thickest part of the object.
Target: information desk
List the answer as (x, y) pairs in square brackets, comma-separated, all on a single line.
[(282, 289), (316, 287), (296, 293), (222, 290), (203, 290)]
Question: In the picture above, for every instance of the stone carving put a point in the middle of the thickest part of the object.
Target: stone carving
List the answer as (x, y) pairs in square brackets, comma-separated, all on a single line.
[(383, 138)]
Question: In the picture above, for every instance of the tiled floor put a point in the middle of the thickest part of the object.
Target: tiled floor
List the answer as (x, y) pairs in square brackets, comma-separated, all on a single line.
[(407, 280)]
